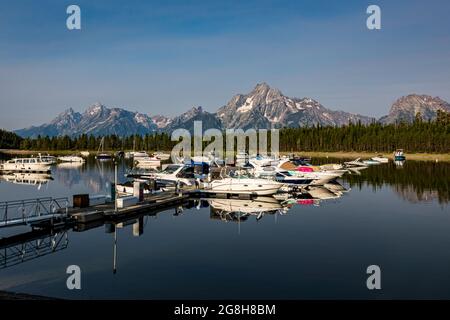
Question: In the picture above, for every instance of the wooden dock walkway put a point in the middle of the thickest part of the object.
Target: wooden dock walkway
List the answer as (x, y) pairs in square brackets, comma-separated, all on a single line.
[(160, 201)]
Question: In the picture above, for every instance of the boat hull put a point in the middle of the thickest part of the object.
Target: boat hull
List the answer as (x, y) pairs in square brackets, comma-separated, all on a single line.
[(26, 167), (260, 187)]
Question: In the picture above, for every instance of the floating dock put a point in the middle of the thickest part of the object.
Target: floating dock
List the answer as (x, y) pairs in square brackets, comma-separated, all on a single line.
[(161, 201), (44, 213)]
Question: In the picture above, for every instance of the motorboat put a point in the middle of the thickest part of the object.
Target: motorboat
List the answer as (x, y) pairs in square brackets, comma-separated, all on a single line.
[(136, 154), (261, 160), (260, 187), (399, 155), (85, 154), (48, 158), (148, 161), (175, 174), (162, 156), (71, 159), (371, 162), (142, 173), (381, 159), (26, 165), (287, 177), (355, 163), (295, 175)]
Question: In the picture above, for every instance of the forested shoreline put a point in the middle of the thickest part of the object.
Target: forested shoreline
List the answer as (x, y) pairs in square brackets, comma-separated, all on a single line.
[(418, 137)]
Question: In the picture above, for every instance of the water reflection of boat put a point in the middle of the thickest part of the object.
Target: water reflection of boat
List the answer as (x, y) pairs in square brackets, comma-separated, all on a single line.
[(399, 163), (312, 195), (71, 159), (236, 209), (24, 178), (70, 165), (322, 193)]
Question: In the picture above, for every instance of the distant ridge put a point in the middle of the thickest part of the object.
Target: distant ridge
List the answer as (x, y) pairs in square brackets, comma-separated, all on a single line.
[(263, 107)]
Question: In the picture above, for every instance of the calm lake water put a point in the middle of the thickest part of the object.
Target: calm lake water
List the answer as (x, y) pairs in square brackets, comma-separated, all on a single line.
[(316, 246)]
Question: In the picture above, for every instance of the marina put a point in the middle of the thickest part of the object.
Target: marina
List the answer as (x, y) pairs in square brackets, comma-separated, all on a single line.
[(217, 228)]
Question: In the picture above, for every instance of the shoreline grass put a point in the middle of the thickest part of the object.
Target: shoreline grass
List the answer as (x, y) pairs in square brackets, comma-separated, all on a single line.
[(367, 155), (320, 154)]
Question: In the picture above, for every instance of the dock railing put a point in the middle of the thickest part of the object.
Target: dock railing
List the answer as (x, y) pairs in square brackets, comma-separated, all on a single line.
[(19, 212)]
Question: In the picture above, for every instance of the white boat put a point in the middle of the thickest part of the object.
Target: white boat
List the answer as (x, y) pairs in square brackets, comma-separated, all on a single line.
[(371, 162), (399, 155), (71, 159), (139, 154), (294, 177), (319, 178), (381, 159), (26, 165), (355, 163), (260, 160), (85, 154), (162, 156), (148, 161), (260, 187), (48, 158), (176, 174)]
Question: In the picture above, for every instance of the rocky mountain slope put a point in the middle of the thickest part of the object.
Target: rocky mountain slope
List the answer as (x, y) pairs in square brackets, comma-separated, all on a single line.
[(96, 120), (266, 107), (263, 107), (406, 108)]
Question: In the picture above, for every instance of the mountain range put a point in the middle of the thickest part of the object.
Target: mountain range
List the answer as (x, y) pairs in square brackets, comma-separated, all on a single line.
[(263, 108)]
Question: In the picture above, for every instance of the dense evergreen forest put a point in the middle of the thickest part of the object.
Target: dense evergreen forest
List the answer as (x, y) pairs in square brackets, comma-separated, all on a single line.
[(420, 136), (9, 140)]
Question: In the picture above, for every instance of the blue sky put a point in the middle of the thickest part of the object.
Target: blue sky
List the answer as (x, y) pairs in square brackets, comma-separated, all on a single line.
[(163, 57)]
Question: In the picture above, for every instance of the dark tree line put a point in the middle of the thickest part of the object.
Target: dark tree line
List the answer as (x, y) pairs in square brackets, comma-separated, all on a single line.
[(9, 140), (157, 141), (420, 136)]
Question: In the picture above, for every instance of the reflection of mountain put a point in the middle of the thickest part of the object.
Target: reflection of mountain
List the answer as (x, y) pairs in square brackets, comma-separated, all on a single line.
[(428, 180), (408, 193), (93, 174)]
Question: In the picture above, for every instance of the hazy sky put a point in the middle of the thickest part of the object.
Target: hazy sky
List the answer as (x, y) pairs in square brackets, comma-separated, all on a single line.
[(163, 57)]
